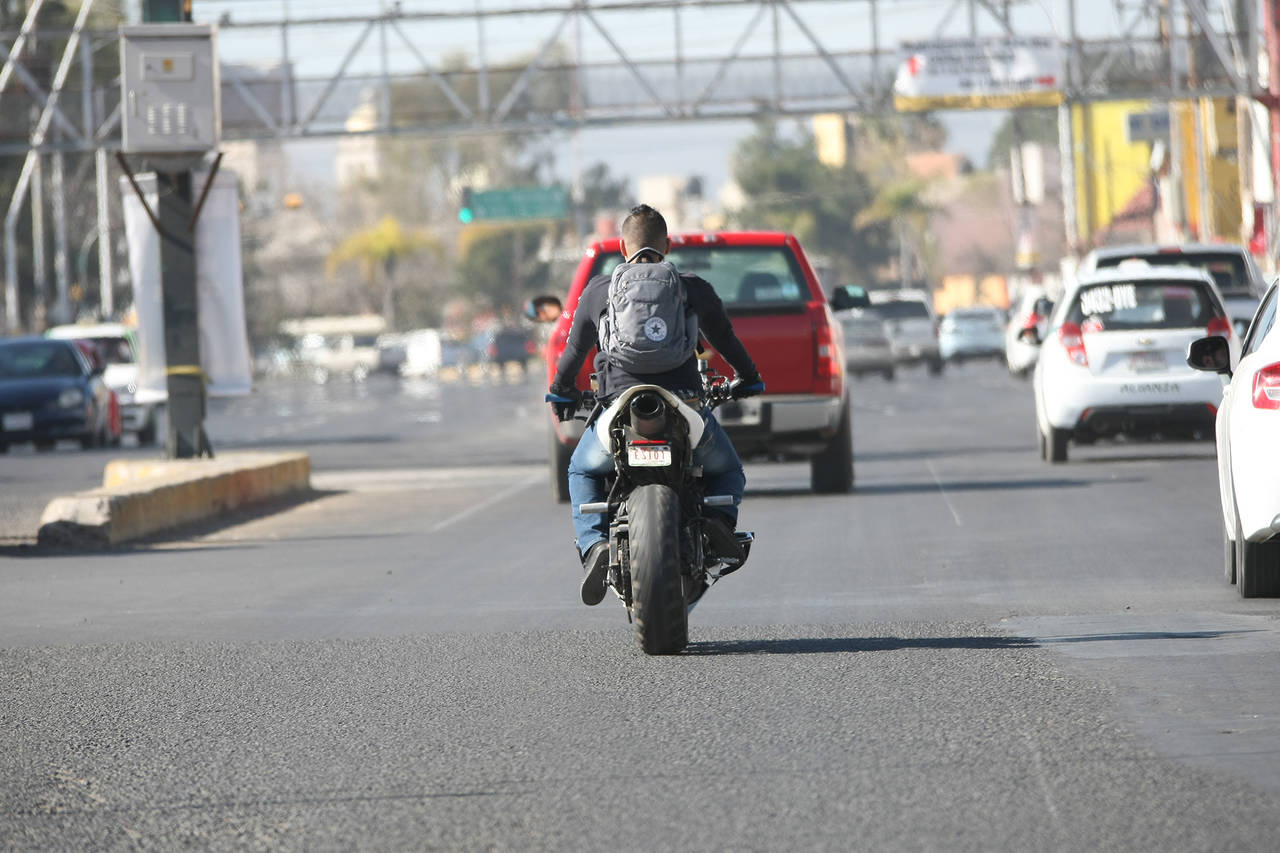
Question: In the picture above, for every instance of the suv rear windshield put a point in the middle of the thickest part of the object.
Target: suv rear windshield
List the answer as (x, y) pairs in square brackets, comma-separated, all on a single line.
[(1228, 269), (743, 276), (901, 309), (1143, 305)]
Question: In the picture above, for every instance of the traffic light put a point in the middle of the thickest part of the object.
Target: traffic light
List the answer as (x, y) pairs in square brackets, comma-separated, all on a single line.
[(466, 213)]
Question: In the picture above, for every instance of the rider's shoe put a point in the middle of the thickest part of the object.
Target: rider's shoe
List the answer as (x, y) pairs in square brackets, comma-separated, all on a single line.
[(595, 565), (724, 544)]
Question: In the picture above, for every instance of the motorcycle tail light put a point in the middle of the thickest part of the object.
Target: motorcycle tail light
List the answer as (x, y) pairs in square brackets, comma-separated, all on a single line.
[(1266, 387), (1072, 340)]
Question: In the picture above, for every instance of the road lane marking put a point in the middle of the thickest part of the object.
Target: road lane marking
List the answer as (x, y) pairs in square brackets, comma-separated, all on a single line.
[(485, 504), (944, 494)]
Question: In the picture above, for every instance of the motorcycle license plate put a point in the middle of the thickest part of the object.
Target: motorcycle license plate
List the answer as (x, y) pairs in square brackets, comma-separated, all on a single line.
[(649, 455)]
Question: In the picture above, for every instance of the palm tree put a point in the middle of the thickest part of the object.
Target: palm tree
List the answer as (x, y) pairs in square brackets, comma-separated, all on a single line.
[(902, 204), (377, 250)]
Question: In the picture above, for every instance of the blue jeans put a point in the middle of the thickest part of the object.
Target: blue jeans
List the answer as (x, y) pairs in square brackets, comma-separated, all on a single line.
[(591, 463)]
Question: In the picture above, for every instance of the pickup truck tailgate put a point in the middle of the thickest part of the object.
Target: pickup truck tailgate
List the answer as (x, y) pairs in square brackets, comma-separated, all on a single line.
[(781, 343)]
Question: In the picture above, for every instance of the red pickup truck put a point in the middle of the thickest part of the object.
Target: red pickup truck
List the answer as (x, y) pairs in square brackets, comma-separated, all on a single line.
[(781, 315)]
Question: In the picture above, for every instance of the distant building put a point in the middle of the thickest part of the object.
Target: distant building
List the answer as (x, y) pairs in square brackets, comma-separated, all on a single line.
[(357, 160)]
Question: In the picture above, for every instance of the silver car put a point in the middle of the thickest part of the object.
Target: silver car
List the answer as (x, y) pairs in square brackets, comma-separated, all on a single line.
[(866, 343), (913, 328)]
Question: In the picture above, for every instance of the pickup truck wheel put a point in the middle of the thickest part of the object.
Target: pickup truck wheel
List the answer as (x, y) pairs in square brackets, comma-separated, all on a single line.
[(558, 459), (888, 374), (935, 367), (831, 471)]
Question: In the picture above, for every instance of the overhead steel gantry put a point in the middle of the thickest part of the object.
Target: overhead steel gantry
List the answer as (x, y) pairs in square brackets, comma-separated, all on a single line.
[(588, 63)]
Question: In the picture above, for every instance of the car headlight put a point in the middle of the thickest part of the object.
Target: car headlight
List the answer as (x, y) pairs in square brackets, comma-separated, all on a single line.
[(70, 398)]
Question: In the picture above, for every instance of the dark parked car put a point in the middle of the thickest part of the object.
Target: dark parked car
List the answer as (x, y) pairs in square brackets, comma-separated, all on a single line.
[(50, 390)]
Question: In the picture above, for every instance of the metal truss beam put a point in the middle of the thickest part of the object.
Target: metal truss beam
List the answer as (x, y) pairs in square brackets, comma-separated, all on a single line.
[(816, 67)]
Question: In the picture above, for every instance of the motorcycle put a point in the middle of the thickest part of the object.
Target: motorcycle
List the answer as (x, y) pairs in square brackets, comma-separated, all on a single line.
[(662, 555)]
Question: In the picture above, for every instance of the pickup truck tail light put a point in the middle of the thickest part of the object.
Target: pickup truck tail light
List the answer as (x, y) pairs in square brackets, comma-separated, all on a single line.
[(1266, 387), (1220, 326), (827, 374), (1072, 340)]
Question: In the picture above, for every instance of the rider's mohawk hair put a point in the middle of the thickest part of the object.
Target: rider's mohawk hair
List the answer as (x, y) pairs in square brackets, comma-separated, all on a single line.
[(643, 228)]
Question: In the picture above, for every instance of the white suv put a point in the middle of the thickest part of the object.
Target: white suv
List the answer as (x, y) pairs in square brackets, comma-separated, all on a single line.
[(119, 348), (1114, 360), (912, 325)]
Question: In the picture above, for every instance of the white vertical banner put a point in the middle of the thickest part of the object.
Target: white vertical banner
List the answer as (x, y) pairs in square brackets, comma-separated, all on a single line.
[(224, 336)]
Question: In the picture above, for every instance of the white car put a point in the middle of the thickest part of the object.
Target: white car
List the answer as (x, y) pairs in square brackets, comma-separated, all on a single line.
[(976, 332), (1114, 359), (1248, 454), (119, 348)]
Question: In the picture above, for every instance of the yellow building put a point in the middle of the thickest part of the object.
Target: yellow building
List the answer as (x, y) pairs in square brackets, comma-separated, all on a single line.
[(1110, 170)]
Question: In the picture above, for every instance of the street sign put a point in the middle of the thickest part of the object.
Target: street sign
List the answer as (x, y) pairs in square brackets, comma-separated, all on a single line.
[(1150, 126), (520, 203)]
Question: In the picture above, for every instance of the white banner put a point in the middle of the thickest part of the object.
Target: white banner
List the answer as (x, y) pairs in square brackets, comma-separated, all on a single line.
[(1001, 72), (224, 339)]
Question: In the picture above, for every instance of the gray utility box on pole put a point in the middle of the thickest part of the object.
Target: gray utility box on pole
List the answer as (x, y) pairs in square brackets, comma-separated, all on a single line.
[(172, 97)]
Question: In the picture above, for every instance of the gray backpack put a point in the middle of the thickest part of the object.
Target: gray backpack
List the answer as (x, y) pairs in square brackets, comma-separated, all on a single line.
[(648, 326)]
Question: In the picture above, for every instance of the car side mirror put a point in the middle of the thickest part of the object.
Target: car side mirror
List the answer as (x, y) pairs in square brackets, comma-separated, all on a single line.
[(543, 309), (849, 296), (1211, 354), (1031, 336)]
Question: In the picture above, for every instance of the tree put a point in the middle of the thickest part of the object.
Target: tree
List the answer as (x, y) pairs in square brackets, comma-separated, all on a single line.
[(377, 251), (901, 205), (500, 267), (1032, 125), (788, 189)]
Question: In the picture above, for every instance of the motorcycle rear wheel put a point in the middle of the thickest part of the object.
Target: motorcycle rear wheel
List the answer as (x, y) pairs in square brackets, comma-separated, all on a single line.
[(657, 591)]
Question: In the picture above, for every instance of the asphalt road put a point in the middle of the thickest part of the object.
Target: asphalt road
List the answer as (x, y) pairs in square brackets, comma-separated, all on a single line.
[(974, 651)]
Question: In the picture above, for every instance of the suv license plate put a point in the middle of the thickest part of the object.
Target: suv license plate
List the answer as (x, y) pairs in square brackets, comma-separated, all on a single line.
[(18, 422), (649, 455), (1146, 362)]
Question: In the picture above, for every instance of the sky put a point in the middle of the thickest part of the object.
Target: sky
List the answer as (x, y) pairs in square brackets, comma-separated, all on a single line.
[(705, 147)]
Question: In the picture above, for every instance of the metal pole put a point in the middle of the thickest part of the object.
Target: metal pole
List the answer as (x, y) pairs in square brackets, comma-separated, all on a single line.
[(20, 43), (384, 120), (482, 81), (186, 436), (61, 261), (39, 269), (286, 73), (86, 89), (1178, 196), (777, 57), (12, 312), (106, 275), (875, 52)]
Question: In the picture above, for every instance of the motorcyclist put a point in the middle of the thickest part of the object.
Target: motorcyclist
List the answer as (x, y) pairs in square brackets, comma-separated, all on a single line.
[(644, 239)]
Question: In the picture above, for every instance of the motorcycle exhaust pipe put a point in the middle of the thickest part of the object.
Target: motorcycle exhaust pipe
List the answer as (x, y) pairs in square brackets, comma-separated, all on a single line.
[(649, 415)]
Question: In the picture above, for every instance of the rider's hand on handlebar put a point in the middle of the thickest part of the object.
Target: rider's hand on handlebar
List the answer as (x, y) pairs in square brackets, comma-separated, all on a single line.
[(746, 386), (568, 400)]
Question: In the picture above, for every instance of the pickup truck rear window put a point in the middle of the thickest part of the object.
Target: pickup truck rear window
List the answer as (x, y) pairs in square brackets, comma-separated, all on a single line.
[(743, 276)]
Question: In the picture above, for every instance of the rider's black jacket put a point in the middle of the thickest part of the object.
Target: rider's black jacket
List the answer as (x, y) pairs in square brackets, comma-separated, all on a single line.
[(684, 381)]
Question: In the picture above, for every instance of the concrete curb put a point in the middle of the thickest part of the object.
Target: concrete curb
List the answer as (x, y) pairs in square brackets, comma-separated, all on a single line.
[(144, 497)]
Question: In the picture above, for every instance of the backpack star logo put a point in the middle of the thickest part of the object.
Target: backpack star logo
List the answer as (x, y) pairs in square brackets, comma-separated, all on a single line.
[(655, 329)]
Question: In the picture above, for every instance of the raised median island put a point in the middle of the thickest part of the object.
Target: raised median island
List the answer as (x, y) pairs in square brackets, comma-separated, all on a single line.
[(140, 498)]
